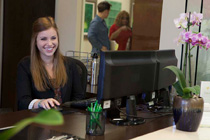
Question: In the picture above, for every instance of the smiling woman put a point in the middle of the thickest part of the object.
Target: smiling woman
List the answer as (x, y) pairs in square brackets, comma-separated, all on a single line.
[(47, 43), (46, 79)]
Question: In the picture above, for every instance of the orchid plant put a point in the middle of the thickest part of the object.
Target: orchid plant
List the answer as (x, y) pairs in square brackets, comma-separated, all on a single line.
[(190, 40)]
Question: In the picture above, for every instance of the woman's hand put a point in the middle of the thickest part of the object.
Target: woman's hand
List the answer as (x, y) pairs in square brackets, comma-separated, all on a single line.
[(117, 32), (46, 103), (104, 48), (124, 28)]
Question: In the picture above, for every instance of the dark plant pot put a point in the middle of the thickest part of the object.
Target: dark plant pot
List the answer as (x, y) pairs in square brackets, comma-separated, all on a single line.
[(188, 113)]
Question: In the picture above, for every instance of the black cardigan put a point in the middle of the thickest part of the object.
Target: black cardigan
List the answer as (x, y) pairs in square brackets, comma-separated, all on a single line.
[(26, 90)]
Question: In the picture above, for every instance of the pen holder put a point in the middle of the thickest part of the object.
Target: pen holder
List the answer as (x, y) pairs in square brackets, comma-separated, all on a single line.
[(95, 123)]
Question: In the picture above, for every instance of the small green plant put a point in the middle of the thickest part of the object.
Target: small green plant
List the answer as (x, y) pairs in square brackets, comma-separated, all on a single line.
[(181, 85), (46, 117)]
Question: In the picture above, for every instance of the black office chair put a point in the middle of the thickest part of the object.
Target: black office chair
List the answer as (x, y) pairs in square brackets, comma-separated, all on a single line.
[(83, 74), (82, 104)]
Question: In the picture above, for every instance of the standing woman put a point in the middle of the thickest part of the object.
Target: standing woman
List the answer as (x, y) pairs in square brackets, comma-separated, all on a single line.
[(46, 78), (120, 31)]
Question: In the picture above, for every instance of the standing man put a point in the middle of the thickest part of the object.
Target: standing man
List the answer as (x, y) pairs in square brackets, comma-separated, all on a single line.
[(98, 31)]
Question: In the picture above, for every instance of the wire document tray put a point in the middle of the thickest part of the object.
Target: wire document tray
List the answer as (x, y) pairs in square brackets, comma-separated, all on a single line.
[(84, 57)]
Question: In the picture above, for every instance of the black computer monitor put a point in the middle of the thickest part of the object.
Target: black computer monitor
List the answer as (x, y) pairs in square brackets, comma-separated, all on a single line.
[(164, 77), (164, 80), (128, 73)]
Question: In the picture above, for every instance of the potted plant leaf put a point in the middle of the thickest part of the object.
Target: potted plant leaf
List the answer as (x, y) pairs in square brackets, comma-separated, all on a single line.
[(46, 117), (188, 105)]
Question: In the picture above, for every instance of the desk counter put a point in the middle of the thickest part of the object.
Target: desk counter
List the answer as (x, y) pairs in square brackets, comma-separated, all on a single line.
[(75, 124)]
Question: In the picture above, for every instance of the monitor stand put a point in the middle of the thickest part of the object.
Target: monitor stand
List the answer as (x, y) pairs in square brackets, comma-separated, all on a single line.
[(162, 102), (131, 112)]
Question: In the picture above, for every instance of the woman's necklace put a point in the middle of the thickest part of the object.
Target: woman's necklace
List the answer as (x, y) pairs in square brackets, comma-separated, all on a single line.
[(47, 64)]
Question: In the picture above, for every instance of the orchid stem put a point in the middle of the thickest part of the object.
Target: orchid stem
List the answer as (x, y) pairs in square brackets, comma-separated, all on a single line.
[(185, 60), (192, 48), (189, 59)]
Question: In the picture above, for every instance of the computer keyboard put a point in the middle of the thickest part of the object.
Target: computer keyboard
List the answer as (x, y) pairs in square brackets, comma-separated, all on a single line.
[(65, 137), (161, 109), (80, 103), (63, 110)]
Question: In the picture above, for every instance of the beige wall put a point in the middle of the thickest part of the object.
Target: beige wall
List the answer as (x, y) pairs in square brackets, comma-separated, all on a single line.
[(68, 15), (171, 10)]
